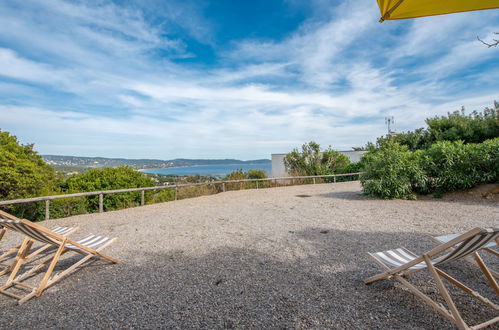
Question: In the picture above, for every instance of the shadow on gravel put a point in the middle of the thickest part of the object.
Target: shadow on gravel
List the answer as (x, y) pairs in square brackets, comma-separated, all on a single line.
[(231, 287), (357, 195), (348, 195)]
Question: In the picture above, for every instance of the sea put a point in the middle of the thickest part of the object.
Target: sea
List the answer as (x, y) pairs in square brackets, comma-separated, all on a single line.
[(213, 170)]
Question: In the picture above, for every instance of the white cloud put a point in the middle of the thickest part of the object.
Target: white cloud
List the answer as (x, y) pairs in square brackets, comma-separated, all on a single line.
[(331, 80)]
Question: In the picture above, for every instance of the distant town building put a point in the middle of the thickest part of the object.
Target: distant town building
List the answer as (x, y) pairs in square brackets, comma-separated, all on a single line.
[(279, 170)]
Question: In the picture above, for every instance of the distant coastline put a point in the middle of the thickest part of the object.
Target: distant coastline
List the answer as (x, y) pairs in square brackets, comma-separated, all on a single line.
[(209, 170), (143, 164)]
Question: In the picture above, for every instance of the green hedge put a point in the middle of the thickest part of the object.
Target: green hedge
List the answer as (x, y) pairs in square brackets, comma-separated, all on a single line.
[(392, 171)]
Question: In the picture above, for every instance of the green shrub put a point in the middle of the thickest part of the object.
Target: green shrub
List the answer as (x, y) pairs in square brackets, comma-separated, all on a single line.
[(160, 196), (351, 168), (256, 174), (66, 207), (197, 191), (108, 179), (455, 165), (241, 175), (394, 172), (236, 175), (490, 161), (391, 172)]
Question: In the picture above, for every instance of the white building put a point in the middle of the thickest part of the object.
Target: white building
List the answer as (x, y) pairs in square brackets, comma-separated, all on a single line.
[(279, 171)]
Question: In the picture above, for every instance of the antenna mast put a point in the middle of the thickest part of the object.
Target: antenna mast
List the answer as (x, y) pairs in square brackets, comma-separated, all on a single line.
[(388, 122)]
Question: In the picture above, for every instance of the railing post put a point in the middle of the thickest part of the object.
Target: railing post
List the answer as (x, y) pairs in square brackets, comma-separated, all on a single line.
[(314, 180), (142, 190), (47, 209), (101, 203), (142, 198)]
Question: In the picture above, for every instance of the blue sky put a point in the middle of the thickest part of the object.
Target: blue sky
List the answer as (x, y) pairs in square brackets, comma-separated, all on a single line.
[(231, 78)]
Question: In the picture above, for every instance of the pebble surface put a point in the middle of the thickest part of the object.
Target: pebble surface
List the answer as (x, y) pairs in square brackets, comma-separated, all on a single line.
[(265, 258)]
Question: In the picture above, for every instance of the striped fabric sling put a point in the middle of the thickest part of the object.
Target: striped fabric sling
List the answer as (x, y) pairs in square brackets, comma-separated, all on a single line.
[(400, 263)]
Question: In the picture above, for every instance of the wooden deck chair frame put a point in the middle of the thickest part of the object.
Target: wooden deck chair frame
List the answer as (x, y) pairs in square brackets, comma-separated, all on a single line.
[(11, 257), (472, 260), (2, 233), (63, 245), (424, 262)]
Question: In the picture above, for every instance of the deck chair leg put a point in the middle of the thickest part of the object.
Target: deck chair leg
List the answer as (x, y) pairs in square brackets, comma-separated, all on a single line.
[(83, 260), (8, 266), (54, 261), (466, 289), (458, 320), (34, 269), (379, 277), (68, 271), (46, 281), (444, 312), (491, 251), (486, 272), (19, 260), (38, 290), (472, 261)]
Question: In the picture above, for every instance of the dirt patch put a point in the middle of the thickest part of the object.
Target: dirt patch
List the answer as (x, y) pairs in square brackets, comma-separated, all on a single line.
[(484, 192)]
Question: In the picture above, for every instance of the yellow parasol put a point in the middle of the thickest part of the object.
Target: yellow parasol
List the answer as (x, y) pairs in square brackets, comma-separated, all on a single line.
[(400, 9)]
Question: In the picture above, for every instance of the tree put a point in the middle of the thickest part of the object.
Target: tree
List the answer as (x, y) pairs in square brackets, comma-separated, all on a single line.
[(491, 44), (311, 161), (473, 128), (107, 179), (23, 173)]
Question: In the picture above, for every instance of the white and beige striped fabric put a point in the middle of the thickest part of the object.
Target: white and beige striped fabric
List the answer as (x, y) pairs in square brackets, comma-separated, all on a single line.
[(401, 256), (58, 230), (90, 241), (30, 232), (449, 237), (397, 257)]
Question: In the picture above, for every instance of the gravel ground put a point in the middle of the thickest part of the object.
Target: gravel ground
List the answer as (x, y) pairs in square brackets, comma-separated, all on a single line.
[(258, 259)]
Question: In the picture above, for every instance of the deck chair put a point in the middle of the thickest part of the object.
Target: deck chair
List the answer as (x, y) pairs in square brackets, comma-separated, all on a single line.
[(399, 263), (487, 248), (7, 259), (89, 247), (2, 232)]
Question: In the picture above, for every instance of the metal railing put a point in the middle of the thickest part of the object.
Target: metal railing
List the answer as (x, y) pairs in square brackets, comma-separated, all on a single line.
[(101, 194)]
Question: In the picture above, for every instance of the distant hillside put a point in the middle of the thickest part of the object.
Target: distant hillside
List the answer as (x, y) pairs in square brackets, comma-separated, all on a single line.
[(188, 162), (98, 162)]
